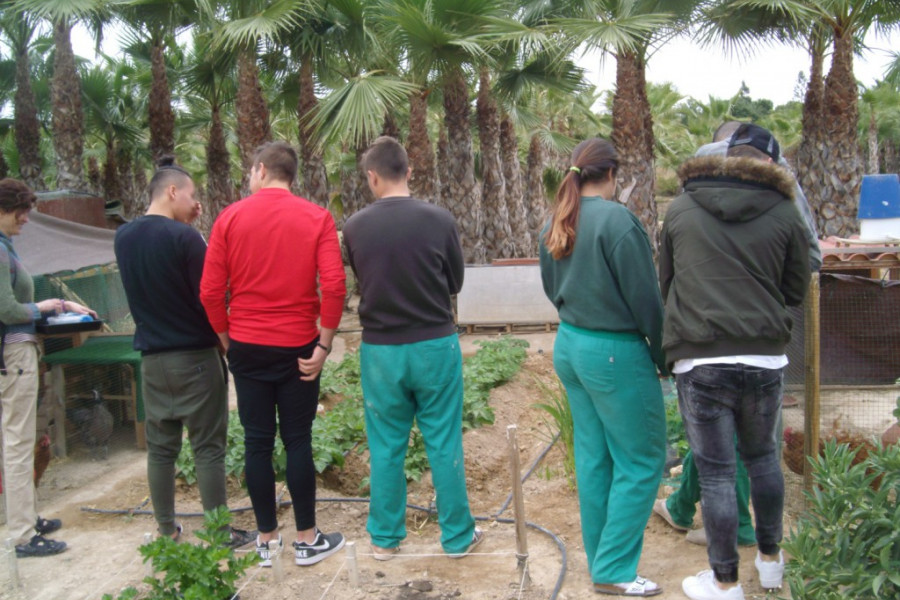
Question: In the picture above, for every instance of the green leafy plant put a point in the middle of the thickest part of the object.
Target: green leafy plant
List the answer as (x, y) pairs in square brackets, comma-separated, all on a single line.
[(847, 543), (342, 427), (185, 466), (557, 406), (208, 570), (675, 435)]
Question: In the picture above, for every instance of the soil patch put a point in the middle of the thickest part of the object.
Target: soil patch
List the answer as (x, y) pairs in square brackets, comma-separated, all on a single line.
[(103, 556)]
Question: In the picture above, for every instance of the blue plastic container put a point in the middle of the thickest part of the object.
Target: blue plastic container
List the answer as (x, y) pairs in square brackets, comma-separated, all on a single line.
[(879, 197)]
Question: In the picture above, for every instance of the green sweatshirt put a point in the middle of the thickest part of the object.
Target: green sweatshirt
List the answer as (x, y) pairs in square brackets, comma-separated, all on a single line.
[(608, 283)]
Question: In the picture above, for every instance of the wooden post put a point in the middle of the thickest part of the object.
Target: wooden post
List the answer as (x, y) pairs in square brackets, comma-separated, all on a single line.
[(811, 327), (11, 563), (518, 505), (352, 565)]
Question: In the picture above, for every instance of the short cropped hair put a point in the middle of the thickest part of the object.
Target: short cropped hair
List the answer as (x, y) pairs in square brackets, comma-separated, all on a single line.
[(387, 157), (167, 173), (15, 195), (726, 130), (280, 160)]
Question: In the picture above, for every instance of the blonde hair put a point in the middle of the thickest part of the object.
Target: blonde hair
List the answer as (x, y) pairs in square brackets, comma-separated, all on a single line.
[(592, 160)]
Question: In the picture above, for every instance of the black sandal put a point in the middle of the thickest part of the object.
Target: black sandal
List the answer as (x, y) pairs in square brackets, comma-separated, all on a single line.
[(47, 526), (39, 546)]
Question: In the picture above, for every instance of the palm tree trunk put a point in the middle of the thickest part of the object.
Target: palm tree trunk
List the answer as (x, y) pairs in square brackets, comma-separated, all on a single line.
[(160, 117), (633, 137), (252, 113), (515, 198), (111, 189), (355, 193), (844, 167), (27, 127), (498, 240), (4, 167), (312, 163), (443, 168), (872, 143), (460, 190), (423, 182), (811, 170), (219, 186), (535, 199), (125, 174), (67, 117)]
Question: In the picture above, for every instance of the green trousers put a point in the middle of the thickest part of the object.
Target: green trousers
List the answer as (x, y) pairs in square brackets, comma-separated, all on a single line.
[(620, 443), (421, 381), (683, 503)]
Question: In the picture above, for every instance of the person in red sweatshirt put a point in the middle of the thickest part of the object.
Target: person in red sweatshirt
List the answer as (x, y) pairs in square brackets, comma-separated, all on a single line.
[(273, 269)]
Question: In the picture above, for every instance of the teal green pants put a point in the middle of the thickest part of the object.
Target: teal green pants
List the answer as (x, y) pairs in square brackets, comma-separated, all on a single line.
[(620, 443), (421, 381), (683, 503)]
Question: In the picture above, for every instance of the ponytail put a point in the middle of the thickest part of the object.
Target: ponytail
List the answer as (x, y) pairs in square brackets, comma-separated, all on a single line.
[(592, 160)]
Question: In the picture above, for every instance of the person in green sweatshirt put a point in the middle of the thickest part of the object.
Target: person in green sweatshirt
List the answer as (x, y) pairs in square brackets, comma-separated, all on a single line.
[(597, 269)]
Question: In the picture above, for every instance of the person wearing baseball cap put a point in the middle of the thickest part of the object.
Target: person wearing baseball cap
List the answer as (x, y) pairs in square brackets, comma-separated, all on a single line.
[(733, 256)]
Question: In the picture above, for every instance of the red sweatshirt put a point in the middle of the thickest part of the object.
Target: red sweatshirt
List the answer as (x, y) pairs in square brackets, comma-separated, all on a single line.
[(269, 257)]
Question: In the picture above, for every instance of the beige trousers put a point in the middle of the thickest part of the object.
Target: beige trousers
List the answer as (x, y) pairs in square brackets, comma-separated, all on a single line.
[(18, 393)]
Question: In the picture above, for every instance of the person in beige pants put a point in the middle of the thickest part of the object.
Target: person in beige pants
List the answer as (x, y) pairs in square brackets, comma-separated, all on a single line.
[(19, 377)]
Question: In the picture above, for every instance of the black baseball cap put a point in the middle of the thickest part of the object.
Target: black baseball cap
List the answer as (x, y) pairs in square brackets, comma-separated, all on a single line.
[(758, 137)]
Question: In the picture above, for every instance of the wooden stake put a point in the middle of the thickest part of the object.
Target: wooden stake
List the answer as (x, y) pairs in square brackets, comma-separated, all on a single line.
[(518, 505), (811, 327), (148, 538), (352, 565)]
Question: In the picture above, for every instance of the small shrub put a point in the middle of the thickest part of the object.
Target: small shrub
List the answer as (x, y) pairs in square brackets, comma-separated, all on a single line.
[(675, 434), (208, 570), (847, 542), (557, 406)]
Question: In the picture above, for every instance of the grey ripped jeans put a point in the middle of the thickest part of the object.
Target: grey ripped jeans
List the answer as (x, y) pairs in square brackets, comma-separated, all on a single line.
[(718, 401)]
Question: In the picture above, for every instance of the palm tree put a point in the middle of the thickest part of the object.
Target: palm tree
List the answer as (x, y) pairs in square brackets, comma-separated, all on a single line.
[(111, 103), (243, 25), (631, 31), (447, 37), (831, 122), (18, 29), (497, 235), (67, 115), (209, 81), (156, 22)]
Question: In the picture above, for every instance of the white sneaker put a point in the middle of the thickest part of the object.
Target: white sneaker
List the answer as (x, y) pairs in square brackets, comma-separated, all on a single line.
[(660, 508), (268, 550), (702, 586), (771, 574)]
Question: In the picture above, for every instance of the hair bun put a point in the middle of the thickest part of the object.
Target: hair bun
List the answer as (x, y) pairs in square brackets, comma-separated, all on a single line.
[(166, 160)]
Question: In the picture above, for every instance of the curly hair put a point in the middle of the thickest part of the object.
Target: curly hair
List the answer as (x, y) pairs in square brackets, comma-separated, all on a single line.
[(15, 196)]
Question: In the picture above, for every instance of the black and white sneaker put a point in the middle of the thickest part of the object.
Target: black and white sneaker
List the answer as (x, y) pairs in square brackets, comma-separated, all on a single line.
[(268, 550), (324, 546)]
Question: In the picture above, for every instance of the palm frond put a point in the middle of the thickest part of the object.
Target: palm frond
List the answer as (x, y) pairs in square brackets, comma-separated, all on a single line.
[(355, 111)]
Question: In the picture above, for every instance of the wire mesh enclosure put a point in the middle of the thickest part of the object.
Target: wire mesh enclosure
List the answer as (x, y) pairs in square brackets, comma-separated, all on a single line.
[(848, 391)]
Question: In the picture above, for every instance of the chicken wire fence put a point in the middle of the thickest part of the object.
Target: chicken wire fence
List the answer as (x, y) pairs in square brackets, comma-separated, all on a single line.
[(856, 371), (89, 404)]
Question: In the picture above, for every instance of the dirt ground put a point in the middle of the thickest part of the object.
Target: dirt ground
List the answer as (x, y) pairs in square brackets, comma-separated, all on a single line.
[(103, 557)]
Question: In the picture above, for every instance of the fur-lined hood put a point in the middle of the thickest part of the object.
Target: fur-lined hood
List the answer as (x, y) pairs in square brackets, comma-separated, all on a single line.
[(736, 189)]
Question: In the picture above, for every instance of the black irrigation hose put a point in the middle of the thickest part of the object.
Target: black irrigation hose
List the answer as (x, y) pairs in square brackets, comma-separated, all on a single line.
[(496, 517)]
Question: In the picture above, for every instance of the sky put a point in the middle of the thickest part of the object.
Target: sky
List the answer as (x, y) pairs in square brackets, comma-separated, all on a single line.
[(770, 72)]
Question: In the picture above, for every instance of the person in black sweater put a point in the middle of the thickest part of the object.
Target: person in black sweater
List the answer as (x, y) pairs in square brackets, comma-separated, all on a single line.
[(407, 258), (161, 258)]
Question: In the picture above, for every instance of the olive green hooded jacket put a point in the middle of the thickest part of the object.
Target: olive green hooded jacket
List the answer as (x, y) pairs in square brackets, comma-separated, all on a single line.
[(733, 255)]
